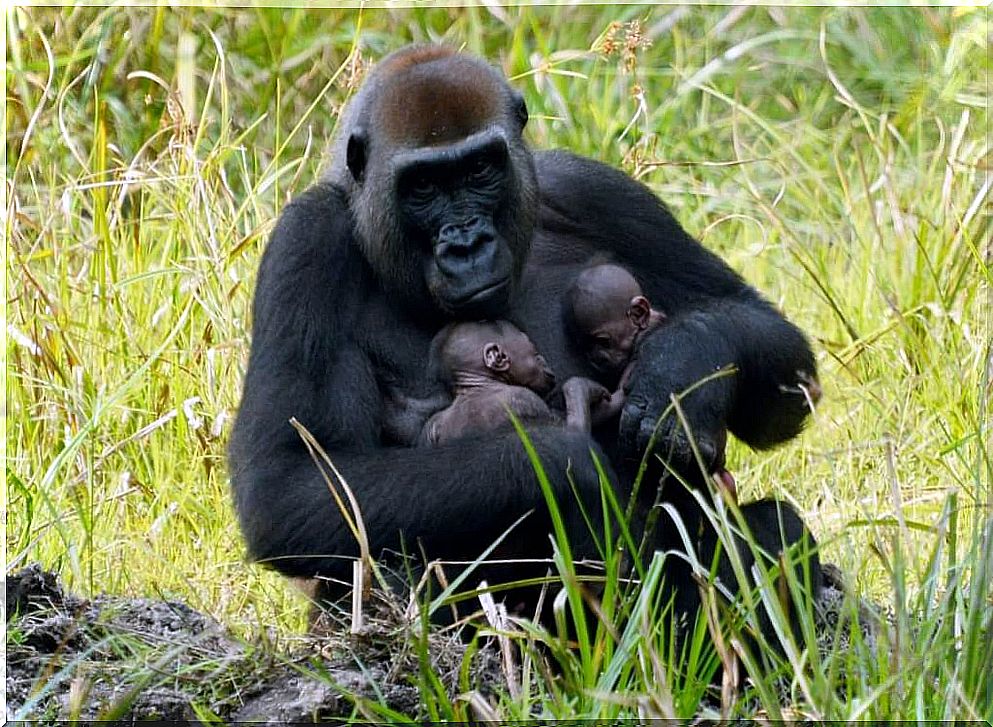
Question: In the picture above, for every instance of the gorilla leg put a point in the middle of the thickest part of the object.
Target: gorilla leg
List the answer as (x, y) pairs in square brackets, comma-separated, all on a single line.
[(775, 540), (483, 500), (771, 535)]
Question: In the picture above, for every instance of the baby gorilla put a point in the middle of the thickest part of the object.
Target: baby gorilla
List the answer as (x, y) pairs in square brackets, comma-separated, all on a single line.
[(492, 368), (608, 315)]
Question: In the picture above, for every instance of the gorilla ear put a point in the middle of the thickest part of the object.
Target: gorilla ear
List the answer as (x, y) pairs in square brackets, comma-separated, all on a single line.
[(520, 109), (495, 358), (355, 156), (638, 312)]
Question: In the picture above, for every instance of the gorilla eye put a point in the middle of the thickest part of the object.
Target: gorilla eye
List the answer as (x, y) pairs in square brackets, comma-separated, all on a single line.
[(421, 185), (601, 341), (479, 168)]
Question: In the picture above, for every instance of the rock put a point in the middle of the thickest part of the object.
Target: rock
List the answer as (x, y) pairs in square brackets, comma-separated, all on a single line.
[(292, 699)]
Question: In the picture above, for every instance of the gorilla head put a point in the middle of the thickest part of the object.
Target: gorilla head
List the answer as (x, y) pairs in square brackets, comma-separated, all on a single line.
[(441, 186)]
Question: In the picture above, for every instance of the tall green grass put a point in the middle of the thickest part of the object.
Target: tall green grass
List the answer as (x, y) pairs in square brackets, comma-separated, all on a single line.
[(837, 157)]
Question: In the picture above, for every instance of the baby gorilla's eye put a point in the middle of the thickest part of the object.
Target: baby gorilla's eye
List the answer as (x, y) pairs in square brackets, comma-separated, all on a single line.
[(602, 341)]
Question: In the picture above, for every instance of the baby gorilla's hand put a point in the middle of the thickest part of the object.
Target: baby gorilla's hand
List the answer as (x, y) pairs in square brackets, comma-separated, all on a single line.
[(584, 389), (607, 407)]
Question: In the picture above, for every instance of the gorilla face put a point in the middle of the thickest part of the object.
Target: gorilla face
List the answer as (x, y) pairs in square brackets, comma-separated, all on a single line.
[(526, 367), (441, 185), (454, 204)]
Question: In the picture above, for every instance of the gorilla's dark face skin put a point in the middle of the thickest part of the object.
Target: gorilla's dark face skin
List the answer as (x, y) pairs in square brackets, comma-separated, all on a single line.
[(450, 206)]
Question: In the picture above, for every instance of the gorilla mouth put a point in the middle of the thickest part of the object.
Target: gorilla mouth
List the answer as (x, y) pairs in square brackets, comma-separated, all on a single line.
[(481, 295)]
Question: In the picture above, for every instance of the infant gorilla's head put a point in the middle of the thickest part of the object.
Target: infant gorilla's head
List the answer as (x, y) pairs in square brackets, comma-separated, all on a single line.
[(606, 312), (495, 350)]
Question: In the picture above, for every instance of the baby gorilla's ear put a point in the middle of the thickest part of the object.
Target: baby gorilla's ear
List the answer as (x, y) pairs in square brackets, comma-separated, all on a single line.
[(639, 310), (495, 358)]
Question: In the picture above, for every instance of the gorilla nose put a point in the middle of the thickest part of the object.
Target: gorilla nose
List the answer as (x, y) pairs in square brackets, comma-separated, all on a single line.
[(464, 246)]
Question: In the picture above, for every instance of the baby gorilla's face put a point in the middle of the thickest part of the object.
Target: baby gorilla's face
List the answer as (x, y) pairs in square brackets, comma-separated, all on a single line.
[(527, 367), (608, 346)]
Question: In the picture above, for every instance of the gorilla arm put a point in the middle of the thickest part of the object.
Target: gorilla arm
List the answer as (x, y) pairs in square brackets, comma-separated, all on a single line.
[(305, 362), (715, 318)]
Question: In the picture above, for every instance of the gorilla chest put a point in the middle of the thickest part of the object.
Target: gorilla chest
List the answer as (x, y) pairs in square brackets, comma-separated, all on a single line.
[(397, 348), (538, 311)]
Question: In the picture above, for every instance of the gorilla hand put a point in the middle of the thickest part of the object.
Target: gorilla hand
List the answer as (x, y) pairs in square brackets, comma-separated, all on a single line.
[(686, 361), (764, 402)]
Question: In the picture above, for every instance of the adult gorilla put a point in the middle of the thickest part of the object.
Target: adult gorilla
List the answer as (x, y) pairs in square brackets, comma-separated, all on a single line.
[(434, 210)]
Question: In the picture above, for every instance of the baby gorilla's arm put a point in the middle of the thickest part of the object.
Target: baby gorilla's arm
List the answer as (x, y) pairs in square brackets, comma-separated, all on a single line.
[(584, 400)]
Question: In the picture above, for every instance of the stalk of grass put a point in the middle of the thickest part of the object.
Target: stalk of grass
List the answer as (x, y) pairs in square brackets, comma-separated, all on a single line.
[(562, 552)]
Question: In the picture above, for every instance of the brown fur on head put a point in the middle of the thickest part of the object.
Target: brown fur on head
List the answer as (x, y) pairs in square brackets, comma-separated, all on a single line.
[(415, 110), (427, 97)]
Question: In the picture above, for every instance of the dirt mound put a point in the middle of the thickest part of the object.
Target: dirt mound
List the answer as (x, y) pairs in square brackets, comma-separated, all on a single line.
[(136, 658), (127, 659)]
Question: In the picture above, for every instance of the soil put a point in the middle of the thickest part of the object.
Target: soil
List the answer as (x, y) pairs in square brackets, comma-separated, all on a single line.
[(134, 658)]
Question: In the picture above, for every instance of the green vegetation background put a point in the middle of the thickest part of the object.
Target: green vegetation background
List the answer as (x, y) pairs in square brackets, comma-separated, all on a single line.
[(839, 158)]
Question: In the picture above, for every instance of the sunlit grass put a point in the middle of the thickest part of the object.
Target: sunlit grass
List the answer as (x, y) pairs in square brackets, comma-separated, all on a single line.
[(837, 158)]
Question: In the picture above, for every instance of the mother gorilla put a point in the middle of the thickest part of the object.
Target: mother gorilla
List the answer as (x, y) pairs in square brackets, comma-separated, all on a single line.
[(434, 209)]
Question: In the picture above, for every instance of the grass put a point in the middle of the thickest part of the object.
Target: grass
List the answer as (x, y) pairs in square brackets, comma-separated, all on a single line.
[(837, 157)]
